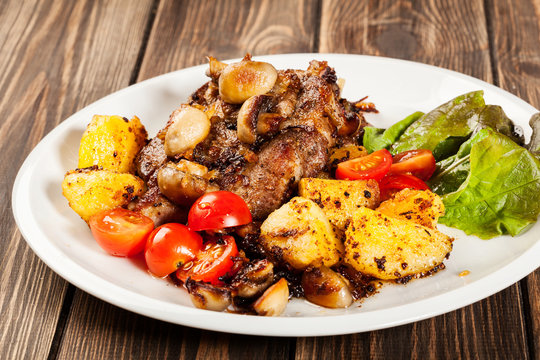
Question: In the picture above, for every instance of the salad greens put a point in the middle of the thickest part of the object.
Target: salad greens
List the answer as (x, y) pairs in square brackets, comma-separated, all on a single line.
[(491, 187), (488, 181), (445, 128), (377, 139)]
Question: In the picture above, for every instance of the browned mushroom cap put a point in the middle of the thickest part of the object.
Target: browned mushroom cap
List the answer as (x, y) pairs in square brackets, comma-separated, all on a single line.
[(324, 287), (274, 300), (208, 297), (184, 182), (188, 127), (240, 81), (248, 116), (254, 278)]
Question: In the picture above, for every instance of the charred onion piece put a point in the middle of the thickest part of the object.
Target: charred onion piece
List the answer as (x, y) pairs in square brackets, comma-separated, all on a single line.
[(274, 300), (323, 286), (188, 127), (208, 297), (240, 81), (254, 278), (183, 183)]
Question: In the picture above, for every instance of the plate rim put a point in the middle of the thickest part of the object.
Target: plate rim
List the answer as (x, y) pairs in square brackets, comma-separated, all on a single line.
[(244, 324)]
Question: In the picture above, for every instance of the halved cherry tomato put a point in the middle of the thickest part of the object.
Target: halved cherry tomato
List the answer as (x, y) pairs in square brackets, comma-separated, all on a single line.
[(393, 183), (372, 166), (218, 210), (121, 232), (169, 247), (420, 163), (213, 262)]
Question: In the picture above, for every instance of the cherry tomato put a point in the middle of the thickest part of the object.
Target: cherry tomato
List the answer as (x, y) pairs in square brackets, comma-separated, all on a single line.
[(169, 247), (419, 163), (218, 210), (372, 166), (214, 261), (392, 183), (121, 232)]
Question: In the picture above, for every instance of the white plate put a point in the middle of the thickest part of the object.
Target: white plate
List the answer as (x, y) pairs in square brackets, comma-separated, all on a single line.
[(62, 240)]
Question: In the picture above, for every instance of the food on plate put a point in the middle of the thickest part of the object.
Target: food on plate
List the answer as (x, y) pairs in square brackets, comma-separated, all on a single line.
[(487, 178), (325, 287), (121, 232), (218, 210), (389, 248), (340, 198), (171, 246), (112, 142), (491, 187), (299, 234), (266, 184), (418, 206), (373, 166), (92, 190)]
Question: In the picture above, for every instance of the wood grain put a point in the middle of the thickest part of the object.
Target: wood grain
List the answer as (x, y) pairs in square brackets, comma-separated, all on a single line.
[(517, 58), (453, 35), (182, 35), (55, 57)]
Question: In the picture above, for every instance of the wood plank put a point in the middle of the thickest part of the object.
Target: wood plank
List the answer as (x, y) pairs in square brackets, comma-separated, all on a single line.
[(516, 52), (55, 57), (451, 35), (182, 35)]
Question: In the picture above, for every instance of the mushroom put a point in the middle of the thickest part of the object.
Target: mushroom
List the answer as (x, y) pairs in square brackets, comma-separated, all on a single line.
[(323, 286), (274, 300), (208, 297), (187, 127), (184, 182), (247, 120), (254, 278), (242, 80)]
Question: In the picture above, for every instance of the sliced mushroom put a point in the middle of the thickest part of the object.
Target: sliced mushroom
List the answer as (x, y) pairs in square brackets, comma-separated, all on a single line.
[(323, 286), (240, 81), (184, 182), (248, 117), (208, 297), (187, 127), (274, 300), (254, 278), (268, 124)]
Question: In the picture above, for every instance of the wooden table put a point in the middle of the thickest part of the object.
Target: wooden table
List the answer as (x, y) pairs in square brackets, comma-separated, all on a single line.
[(57, 56)]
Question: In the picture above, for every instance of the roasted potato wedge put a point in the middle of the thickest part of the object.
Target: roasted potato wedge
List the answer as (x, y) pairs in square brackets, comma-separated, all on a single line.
[(389, 248), (92, 190), (345, 153), (112, 142), (299, 234), (419, 206), (340, 198)]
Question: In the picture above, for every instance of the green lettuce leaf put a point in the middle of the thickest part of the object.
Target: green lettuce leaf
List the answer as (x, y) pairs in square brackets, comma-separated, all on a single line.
[(377, 139), (491, 187), (445, 128)]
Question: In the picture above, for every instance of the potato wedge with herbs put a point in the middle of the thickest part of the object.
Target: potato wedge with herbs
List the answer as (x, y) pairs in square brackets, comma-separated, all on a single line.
[(389, 248), (299, 234), (340, 198), (112, 142), (92, 190), (419, 206), (344, 153)]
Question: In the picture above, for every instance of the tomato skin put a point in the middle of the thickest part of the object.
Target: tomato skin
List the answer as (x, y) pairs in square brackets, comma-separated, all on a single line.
[(213, 262), (395, 182), (373, 166), (121, 232), (169, 247), (218, 210), (420, 163)]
